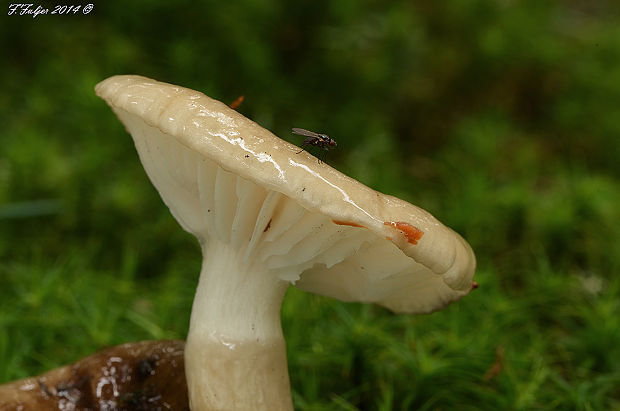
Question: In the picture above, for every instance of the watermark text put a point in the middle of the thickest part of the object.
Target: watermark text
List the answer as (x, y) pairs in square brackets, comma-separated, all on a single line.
[(34, 10)]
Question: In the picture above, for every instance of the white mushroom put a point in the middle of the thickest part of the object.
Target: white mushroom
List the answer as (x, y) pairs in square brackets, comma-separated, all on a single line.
[(267, 217)]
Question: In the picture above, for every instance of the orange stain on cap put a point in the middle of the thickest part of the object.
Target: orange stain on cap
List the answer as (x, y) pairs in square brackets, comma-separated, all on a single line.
[(235, 104), (412, 233), (352, 224)]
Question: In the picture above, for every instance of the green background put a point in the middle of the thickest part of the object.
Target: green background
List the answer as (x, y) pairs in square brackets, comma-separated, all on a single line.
[(502, 118)]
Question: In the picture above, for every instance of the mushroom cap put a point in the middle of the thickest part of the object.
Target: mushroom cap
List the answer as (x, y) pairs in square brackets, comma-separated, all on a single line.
[(347, 240), (138, 375)]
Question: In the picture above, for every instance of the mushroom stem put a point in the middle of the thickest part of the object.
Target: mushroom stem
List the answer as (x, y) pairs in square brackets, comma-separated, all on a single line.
[(235, 356)]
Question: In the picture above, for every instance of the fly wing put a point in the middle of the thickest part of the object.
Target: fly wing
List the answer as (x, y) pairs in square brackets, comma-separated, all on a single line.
[(304, 132)]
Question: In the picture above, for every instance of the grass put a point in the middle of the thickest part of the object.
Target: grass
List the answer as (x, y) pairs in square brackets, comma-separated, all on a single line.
[(502, 119)]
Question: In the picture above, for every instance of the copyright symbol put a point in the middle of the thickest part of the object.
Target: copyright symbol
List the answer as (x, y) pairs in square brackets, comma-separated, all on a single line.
[(88, 8)]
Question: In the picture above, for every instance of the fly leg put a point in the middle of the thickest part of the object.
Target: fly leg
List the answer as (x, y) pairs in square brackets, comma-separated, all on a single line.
[(324, 156), (307, 142), (302, 148)]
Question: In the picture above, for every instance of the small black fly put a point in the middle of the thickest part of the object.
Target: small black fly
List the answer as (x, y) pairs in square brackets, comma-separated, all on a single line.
[(315, 139)]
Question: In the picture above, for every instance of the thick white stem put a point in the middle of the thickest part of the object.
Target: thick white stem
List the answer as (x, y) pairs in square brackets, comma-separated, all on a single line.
[(235, 356)]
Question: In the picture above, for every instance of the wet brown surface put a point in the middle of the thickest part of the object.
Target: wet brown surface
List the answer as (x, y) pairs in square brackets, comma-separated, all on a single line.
[(147, 375)]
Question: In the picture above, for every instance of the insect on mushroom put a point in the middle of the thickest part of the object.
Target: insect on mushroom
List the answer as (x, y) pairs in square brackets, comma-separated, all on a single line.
[(315, 139)]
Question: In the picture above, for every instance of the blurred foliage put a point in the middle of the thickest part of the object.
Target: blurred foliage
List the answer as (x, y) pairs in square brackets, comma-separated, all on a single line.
[(502, 118)]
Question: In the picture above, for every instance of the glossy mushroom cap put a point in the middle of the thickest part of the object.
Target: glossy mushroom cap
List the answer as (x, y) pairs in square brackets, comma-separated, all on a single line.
[(226, 178)]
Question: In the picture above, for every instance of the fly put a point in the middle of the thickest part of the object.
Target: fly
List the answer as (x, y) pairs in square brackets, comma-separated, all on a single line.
[(315, 139)]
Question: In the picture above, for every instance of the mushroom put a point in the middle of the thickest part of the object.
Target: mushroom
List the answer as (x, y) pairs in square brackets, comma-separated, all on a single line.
[(138, 376), (267, 216)]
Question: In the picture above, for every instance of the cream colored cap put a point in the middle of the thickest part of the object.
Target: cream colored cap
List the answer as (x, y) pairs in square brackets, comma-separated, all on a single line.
[(227, 179)]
